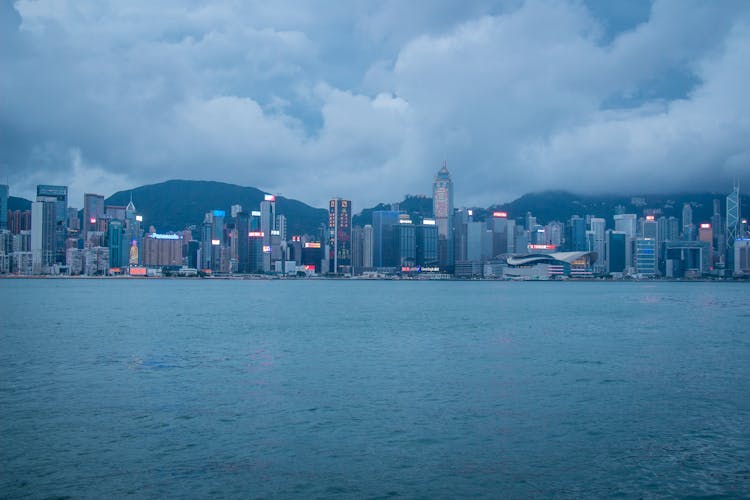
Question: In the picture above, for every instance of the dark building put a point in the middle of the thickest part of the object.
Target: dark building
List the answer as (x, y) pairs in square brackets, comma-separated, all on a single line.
[(427, 245), (405, 240), (383, 254), (340, 236), (243, 242), (115, 238), (616, 252)]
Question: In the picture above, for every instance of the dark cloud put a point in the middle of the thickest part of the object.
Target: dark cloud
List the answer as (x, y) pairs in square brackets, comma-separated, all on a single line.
[(364, 100)]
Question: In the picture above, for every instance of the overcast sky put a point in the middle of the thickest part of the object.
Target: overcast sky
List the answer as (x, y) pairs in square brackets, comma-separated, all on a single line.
[(364, 100)]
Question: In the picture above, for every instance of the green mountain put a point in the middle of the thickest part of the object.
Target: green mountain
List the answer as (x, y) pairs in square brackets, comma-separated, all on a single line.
[(549, 206), (176, 204), (16, 203)]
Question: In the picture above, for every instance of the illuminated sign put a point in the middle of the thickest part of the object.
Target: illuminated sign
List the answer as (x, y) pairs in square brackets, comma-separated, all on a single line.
[(216, 242), (430, 269), (312, 244), (650, 217), (470, 212), (219, 213), (157, 236), (296, 238), (744, 221), (137, 271), (541, 247), (308, 267), (255, 234), (275, 232), (500, 215), (404, 221), (705, 226), (266, 248), (92, 220), (255, 213), (269, 197), (139, 218), (428, 222)]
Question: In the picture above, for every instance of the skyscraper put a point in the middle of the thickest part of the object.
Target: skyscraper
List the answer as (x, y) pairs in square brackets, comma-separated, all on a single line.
[(267, 224), (340, 236), (93, 210), (442, 207), (733, 222), (243, 242), (383, 252), (42, 236), (687, 222), (115, 244)]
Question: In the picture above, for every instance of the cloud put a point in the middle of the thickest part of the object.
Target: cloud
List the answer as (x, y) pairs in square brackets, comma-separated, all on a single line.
[(365, 100)]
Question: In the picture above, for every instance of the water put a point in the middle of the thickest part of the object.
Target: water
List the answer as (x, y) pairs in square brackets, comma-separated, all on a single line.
[(353, 389)]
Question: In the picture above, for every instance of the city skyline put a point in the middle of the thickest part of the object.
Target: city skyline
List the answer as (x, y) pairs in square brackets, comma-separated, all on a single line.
[(364, 99)]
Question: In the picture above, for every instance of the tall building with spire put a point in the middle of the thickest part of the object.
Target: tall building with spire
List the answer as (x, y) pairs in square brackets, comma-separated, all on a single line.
[(442, 207), (733, 222)]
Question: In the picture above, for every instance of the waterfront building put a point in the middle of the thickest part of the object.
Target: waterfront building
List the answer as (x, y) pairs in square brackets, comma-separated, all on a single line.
[(427, 244), (162, 250), (550, 265), (598, 228), (685, 259), (733, 222), (405, 240), (340, 236), (742, 257), (115, 241), (383, 222), (95, 261), (617, 242), (43, 236), (645, 257), (706, 234), (576, 240), (243, 242), (442, 208), (267, 225), (474, 234), (74, 260), (367, 246)]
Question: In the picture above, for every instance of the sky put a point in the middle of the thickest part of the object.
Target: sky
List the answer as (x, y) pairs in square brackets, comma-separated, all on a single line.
[(365, 99)]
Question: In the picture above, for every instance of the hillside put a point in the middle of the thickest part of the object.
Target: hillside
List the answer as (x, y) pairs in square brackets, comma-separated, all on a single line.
[(175, 204)]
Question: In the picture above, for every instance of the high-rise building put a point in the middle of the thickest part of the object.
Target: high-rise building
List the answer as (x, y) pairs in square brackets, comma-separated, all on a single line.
[(58, 197), (427, 243), (243, 242), (733, 222), (616, 252), (115, 237), (645, 256), (3, 206), (577, 238), (367, 239), (383, 253), (598, 228), (688, 230), (267, 226), (442, 207), (162, 250), (42, 236), (93, 210), (706, 234), (626, 223), (405, 239), (340, 236)]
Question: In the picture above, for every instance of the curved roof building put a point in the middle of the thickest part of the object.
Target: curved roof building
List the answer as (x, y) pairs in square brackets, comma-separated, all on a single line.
[(550, 265)]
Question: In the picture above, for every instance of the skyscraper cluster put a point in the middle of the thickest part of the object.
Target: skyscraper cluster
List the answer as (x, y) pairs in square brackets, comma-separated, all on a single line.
[(440, 241)]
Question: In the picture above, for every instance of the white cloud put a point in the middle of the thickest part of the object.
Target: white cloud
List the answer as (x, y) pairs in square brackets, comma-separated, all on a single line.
[(366, 101)]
